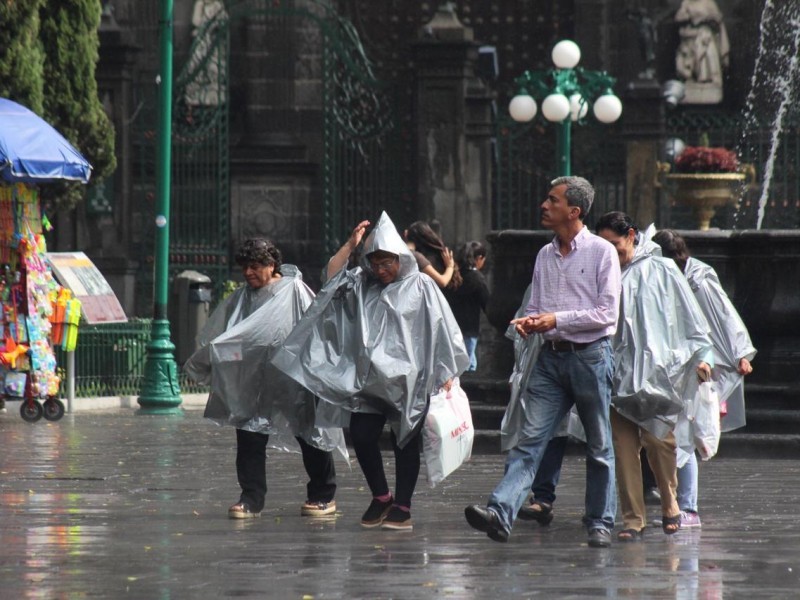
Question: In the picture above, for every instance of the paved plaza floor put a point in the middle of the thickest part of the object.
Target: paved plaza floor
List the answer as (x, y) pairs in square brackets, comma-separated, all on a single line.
[(119, 505)]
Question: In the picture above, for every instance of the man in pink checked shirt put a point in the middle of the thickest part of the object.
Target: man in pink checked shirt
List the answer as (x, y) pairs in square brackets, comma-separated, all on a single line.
[(574, 305)]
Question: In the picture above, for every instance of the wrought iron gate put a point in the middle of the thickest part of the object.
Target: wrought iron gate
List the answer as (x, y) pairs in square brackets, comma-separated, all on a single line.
[(525, 164), (366, 164)]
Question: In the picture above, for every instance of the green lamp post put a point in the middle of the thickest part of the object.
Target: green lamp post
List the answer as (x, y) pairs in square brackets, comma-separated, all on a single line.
[(567, 90), (160, 391)]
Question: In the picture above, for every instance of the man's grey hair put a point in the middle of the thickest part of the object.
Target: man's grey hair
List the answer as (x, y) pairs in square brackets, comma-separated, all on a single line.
[(579, 193)]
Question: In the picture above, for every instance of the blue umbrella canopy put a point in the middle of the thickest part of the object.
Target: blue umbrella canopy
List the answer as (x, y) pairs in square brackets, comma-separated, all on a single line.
[(32, 151)]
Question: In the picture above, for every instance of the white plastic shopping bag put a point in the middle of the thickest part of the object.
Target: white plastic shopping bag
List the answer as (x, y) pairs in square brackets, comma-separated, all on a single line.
[(704, 418), (448, 433)]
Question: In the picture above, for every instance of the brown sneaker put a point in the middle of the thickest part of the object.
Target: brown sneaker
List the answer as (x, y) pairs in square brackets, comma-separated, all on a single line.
[(242, 510), (318, 509)]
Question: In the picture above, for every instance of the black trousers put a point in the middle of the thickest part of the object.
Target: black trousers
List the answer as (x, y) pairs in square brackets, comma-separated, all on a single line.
[(251, 469), (365, 433)]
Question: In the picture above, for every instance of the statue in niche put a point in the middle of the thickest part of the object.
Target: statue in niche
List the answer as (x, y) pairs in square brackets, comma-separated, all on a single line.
[(646, 32), (204, 89), (703, 51)]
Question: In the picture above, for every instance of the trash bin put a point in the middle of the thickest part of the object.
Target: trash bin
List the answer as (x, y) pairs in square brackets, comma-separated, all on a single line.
[(189, 309)]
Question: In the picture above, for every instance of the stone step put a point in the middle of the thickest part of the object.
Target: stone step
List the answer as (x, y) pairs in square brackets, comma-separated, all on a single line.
[(495, 391), (772, 431), (732, 445), (759, 445), (766, 420), (484, 390)]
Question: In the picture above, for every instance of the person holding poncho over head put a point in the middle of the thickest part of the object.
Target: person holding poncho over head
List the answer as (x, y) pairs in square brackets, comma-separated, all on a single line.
[(249, 394), (378, 340)]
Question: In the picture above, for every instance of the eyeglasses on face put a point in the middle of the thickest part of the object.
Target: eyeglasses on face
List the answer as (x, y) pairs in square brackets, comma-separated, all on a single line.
[(384, 265)]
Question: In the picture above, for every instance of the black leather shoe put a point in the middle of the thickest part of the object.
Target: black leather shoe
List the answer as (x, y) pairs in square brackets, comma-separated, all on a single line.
[(483, 519), (541, 512), (599, 538)]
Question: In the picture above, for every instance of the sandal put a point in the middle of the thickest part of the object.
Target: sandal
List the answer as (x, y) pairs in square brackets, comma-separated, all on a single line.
[(537, 510), (671, 525), (629, 535)]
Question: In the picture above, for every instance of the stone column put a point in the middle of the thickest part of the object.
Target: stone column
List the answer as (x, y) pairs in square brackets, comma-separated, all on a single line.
[(643, 131), (454, 128)]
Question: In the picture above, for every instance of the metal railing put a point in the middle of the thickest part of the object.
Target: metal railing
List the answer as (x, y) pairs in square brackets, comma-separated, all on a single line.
[(524, 165), (109, 361)]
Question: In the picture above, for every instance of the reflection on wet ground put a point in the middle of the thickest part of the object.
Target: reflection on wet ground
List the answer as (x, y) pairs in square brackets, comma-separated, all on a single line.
[(114, 504)]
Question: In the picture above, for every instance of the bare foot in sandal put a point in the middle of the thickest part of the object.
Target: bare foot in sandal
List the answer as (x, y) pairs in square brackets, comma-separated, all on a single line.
[(629, 535), (671, 525)]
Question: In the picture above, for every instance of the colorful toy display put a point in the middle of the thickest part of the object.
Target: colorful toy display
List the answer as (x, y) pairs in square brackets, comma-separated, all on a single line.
[(37, 312)]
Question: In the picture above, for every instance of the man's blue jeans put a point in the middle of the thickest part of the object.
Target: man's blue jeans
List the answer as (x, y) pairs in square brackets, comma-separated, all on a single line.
[(549, 471), (559, 380)]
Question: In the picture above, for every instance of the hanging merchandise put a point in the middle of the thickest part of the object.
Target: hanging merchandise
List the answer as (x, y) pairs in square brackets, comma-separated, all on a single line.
[(36, 310)]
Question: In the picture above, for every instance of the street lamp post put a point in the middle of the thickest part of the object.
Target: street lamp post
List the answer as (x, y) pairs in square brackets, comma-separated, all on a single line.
[(160, 390), (567, 91)]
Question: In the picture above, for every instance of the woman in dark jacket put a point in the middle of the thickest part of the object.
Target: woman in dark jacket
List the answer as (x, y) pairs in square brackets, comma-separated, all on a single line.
[(468, 299)]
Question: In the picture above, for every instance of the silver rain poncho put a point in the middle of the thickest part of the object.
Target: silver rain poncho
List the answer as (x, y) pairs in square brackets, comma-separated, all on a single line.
[(729, 336), (247, 392), (661, 339), (526, 353), (366, 347)]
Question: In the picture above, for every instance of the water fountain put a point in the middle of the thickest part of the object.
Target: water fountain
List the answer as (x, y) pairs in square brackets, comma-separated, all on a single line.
[(758, 266), (773, 85)]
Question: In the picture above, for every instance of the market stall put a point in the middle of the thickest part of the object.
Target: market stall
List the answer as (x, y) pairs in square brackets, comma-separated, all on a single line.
[(37, 312)]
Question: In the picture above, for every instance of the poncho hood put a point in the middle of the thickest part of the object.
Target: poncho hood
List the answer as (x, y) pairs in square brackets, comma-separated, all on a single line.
[(384, 237)]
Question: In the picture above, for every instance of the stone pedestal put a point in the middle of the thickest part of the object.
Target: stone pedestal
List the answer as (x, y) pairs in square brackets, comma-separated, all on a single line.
[(513, 254)]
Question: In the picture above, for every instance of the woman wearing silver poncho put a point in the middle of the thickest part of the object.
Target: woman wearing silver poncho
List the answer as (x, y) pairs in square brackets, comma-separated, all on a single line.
[(661, 347), (254, 397), (733, 352), (376, 342)]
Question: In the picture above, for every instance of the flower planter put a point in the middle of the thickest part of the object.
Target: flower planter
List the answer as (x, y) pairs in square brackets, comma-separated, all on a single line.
[(705, 192)]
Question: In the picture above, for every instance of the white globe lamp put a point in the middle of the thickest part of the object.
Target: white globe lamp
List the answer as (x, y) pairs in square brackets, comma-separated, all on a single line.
[(566, 54), (522, 108), (578, 107), (607, 108), (555, 108)]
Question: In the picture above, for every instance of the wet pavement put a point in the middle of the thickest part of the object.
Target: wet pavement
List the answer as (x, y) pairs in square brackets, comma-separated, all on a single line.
[(114, 504)]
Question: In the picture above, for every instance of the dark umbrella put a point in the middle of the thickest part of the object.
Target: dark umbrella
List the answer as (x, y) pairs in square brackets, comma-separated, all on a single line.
[(32, 151)]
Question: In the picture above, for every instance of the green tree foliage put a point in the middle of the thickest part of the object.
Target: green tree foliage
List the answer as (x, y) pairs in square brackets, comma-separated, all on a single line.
[(68, 32), (21, 57)]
